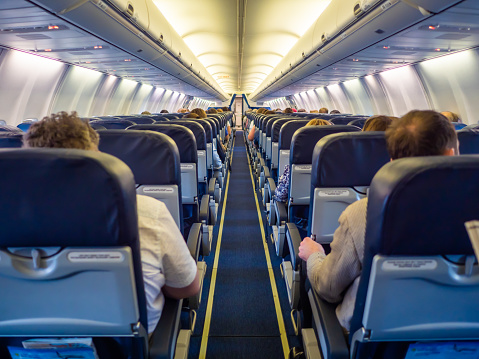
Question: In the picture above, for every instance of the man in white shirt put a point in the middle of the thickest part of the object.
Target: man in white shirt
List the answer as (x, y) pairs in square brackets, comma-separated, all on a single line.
[(168, 268)]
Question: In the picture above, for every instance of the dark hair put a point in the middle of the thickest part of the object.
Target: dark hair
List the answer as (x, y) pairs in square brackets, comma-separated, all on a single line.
[(269, 112), (164, 111), (212, 110), (199, 111), (335, 111), (191, 115), (377, 123), (225, 109), (288, 110), (323, 110), (420, 133)]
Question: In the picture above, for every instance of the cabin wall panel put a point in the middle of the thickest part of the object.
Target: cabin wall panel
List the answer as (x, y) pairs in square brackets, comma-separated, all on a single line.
[(452, 83), (380, 101), (358, 97), (324, 99), (404, 90), (122, 97), (103, 95), (77, 91), (140, 100), (339, 100), (28, 85)]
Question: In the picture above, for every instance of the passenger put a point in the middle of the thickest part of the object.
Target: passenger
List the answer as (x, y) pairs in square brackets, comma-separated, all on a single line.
[(301, 110), (225, 109), (335, 277), (377, 123), (199, 111), (146, 113), (191, 115), (219, 110), (323, 110), (262, 110), (164, 111), (334, 112), (294, 110), (282, 190), (451, 116), (212, 110), (288, 110), (313, 111), (182, 110), (269, 112), (168, 268)]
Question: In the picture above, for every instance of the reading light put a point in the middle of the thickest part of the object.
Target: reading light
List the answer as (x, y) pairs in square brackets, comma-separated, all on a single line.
[(386, 47), (437, 49), (430, 27), (53, 27)]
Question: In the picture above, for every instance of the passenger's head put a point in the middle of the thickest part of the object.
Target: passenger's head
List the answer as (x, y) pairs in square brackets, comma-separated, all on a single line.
[(146, 113), (62, 130), (335, 111), (323, 110), (318, 122), (164, 111), (301, 110), (313, 111), (421, 133), (199, 111), (377, 123), (288, 110), (262, 110), (182, 110), (269, 112), (451, 116), (225, 109), (212, 110), (191, 115), (219, 110)]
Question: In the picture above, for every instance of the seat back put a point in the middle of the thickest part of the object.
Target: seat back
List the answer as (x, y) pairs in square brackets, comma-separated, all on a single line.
[(275, 128), (458, 125), (11, 139), (8, 128), (417, 256), (140, 120), (114, 124), (343, 166), (209, 143), (359, 122), (69, 247), (343, 120), (468, 141), (155, 162), (24, 126), (300, 161), (284, 142), (186, 143)]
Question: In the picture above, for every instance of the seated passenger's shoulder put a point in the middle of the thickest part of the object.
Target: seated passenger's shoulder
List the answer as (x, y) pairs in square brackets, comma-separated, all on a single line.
[(356, 209), (149, 206)]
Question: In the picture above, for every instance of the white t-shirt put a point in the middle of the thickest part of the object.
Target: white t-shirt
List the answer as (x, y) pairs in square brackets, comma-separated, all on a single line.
[(165, 258)]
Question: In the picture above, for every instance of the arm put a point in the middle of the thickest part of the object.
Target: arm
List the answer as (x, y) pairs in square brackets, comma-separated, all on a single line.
[(184, 292), (331, 275), (251, 133)]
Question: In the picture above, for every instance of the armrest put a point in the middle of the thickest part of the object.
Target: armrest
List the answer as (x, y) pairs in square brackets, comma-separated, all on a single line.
[(211, 186), (281, 212), (294, 240), (266, 172), (324, 314), (194, 240), (163, 339), (271, 185), (204, 208)]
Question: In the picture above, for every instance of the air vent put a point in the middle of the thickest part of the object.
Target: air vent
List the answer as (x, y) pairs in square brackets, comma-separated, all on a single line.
[(357, 10), (403, 53), (34, 37), (130, 10), (324, 37), (452, 37), (23, 30), (80, 53)]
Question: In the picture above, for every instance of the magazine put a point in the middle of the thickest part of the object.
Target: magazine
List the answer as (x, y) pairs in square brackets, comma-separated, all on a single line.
[(65, 348)]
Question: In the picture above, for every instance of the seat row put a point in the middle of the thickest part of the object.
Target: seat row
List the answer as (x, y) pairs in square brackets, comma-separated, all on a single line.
[(332, 167), (170, 161)]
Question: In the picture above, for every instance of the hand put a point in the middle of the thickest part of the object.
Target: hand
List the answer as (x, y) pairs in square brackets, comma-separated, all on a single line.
[(308, 247)]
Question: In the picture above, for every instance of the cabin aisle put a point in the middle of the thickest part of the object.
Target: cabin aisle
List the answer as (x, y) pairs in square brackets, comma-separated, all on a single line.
[(243, 322)]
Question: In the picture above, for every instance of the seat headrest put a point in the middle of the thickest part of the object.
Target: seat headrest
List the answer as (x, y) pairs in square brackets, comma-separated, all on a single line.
[(152, 156), (207, 127), (348, 159), (458, 125), (10, 139), (183, 137), (276, 127), (287, 131), (140, 120), (65, 197), (304, 140), (468, 141), (197, 130), (8, 128), (418, 206), (214, 126), (114, 124), (359, 122), (341, 120)]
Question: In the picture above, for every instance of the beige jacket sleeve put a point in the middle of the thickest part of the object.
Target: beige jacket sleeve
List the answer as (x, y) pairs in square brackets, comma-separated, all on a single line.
[(331, 275)]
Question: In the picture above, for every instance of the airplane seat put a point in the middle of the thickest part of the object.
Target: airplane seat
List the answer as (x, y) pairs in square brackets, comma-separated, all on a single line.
[(3, 122), (303, 143), (471, 127), (140, 120), (11, 140), (458, 125), (97, 126), (359, 122), (171, 116), (159, 118), (468, 140), (24, 126), (418, 262), (9, 128), (343, 120), (114, 124), (196, 208), (154, 159), (76, 267)]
